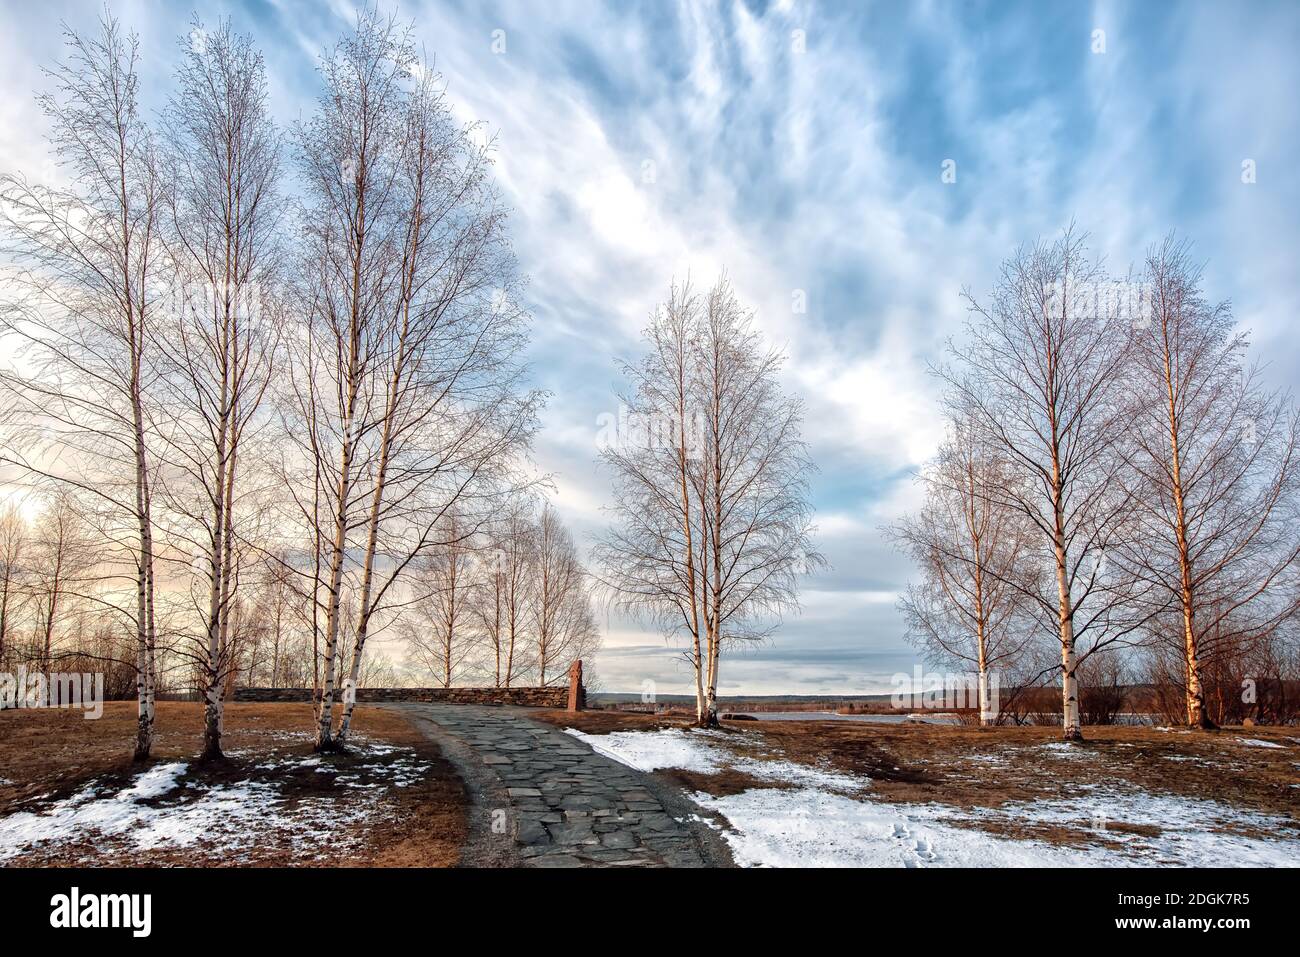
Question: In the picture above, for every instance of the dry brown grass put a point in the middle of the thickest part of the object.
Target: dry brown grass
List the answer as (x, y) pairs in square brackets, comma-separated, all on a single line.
[(46, 755)]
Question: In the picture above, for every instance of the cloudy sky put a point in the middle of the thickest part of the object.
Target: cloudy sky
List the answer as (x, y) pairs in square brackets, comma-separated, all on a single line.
[(801, 147)]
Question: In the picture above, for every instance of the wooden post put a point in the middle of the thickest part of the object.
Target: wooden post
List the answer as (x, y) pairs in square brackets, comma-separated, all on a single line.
[(576, 695)]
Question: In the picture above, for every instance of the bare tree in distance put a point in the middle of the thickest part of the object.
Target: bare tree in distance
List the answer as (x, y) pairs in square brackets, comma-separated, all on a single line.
[(219, 346), (969, 607), (276, 603), (440, 633), (562, 620), (1041, 371), (1215, 458), (712, 522), (61, 555), (488, 611), (501, 594), (513, 584), (15, 545), (77, 405)]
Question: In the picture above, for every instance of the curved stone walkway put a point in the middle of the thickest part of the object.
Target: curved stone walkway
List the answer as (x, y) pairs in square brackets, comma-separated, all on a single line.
[(563, 804)]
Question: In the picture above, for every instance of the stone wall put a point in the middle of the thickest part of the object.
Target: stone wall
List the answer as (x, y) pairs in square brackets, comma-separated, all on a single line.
[(557, 698)]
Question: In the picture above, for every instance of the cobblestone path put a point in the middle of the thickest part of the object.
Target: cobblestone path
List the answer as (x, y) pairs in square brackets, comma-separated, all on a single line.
[(566, 805)]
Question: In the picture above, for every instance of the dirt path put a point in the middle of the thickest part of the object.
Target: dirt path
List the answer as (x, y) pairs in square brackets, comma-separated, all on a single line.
[(542, 798)]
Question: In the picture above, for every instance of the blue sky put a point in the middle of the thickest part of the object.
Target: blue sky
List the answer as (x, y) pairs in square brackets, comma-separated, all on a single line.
[(800, 147)]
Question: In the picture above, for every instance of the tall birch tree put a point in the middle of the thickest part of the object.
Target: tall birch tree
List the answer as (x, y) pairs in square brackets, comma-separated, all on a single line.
[(752, 483), (408, 399), (713, 527), (219, 346), (82, 304), (1216, 458), (649, 557), (1041, 370)]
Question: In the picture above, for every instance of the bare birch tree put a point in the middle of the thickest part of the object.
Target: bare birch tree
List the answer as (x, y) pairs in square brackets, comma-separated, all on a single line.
[(1041, 371), (563, 623), (14, 552), (82, 302), (408, 390), (441, 634), (219, 347), (752, 483), (969, 607), (713, 527), (276, 604), (60, 557), (502, 593), (517, 549), (488, 613), (649, 557), (1215, 457)]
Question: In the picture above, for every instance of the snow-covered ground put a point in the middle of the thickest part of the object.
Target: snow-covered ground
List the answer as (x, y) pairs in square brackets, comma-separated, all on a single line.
[(163, 809), (706, 752), (829, 818)]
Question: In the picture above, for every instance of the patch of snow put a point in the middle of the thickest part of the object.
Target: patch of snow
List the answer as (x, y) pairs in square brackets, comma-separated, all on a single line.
[(218, 814), (226, 818), (89, 811), (705, 752), (1064, 749), (153, 783), (654, 750), (810, 828), (994, 758), (1258, 743), (1192, 832)]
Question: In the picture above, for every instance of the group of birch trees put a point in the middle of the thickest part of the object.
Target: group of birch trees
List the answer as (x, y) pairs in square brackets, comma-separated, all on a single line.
[(1115, 480), (271, 419), (513, 608), (711, 521)]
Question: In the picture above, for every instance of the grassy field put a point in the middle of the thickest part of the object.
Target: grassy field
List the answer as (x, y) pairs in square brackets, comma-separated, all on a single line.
[(391, 801)]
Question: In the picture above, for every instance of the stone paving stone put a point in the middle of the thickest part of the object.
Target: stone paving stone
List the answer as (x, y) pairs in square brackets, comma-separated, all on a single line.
[(573, 807)]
